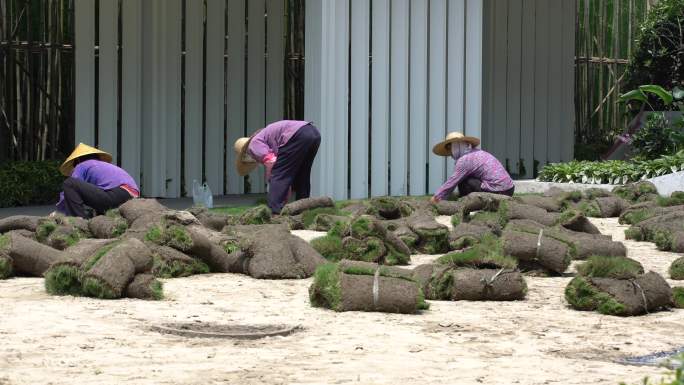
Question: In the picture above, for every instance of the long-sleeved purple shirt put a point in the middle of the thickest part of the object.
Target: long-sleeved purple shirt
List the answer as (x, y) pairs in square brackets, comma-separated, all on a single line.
[(101, 174), (481, 165), (272, 137)]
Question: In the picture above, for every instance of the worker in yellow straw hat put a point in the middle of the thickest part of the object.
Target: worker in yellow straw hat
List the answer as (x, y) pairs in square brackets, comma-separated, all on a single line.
[(287, 149), (93, 181), (475, 171)]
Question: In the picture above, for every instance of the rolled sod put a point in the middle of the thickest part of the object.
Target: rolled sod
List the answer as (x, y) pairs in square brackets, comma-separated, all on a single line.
[(369, 268), (677, 269), (576, 221), (465, 284), (330, 247), (402, 231), (582, 245), (662, 230), (398, 253), (30, 257), (135, 208), (611, 207), (448, 207), (621, 297), (112, 272), (256, 216), (355, 290), (547, 203), (64, 275), (369, 249), (298, 207), (512, 210), (433, 237), (107, 227), (145, 286), (209, 219), (486, 255), (678, 297), (385, 207), (64, 236), (633, 191), (6, 266), (548, 253), (200, 246), (466, 235), (325, 222), (425, 276), (19, 222), (171, 263), (599, 266)]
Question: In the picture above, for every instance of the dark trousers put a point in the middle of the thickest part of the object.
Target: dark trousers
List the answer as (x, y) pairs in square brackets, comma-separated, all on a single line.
[(79, 194), (293, 167), (472, 185)]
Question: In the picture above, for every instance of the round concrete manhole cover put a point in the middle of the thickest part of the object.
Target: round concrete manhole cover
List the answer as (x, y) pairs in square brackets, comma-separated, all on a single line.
[(212, 330)]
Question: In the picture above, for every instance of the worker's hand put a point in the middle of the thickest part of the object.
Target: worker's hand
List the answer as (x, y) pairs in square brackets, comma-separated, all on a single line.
[(53, 214), (434, 200), (268, 164)]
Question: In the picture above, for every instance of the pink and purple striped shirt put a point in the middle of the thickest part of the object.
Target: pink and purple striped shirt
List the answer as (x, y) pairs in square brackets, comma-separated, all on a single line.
[(275, 135), (481, 165)]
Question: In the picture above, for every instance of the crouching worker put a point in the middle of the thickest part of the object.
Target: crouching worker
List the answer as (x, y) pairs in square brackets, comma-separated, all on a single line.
[(287, 150), (93, 182), (475, 171)]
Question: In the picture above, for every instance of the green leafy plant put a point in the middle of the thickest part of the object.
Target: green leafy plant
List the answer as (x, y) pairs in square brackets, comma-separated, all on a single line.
[(29, 183), (658, 137)]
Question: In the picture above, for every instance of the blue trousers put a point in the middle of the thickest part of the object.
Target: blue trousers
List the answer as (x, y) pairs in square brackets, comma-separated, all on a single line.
[(293, 167)]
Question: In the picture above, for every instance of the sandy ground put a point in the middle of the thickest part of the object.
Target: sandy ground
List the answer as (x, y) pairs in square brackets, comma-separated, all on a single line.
[(65, 340)]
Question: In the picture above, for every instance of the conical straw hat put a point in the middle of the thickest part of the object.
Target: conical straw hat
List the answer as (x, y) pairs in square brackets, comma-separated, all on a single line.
[(441, 148), (82, 150), (243, 162)]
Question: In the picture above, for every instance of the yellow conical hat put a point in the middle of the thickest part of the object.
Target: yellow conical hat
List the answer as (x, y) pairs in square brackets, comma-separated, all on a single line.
[(82, 150), (243, 162), (442, 149)]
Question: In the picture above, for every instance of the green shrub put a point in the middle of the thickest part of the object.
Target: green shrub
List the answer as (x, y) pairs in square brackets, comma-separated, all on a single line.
[(678, 296), (657, 137), (613, 171), (29, 183), (677, 269)]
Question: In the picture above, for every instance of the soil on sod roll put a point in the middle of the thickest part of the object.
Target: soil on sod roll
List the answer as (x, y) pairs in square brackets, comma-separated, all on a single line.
[(486, 255), (208, 219), (512, 210), (324, 222), (465, 284), (19, 222), (107, 227), (448, 207), (398, 253), (64, 236), (361, 267), (6, 266), (547, 203), (621, 297), (576, 221), (298, 207), (273, 253), (677, 269), (64, 276), (599, 266), (424, 275), (354, 290), (479, 201), (548, 253), (369, 249), (30, 257), (611, 207), (135, 208), (171, 263), (402, 231), (433, 237), (203, 248), (111, 273), (145, 286), (642, 211), (467, 234), (634, 191)]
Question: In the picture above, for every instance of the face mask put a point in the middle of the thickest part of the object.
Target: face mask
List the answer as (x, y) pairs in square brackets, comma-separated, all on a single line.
[(458, 149)]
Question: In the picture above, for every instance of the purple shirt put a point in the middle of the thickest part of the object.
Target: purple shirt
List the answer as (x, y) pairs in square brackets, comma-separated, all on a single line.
[(102, 174), (272, 137), (481, 165)]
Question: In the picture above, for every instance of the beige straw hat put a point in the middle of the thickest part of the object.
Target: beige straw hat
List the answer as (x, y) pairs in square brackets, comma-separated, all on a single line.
[(442, 148), (243, 162), (82, 150)]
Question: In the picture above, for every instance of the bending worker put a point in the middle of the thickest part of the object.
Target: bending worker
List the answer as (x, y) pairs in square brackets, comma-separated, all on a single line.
[(475, 171), (287, 150), (93, 182)]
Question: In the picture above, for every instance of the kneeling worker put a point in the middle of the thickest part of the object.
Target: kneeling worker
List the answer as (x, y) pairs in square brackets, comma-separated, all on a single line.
[(475, 171), (93, 182), (287, 149)]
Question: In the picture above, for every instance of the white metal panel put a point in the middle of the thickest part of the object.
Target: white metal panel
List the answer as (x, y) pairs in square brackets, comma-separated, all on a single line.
[(172, 115), (513, 98), (313, 70), (215, 88), (380, 98), (275, 67), (131, 91), (256, 85), (340, 108), (568, 87), (438, 92), (235, 90), (418, 91), (527, 95), (194, 80), (399, 108), (456, 70), (474, 65), (499, 62), (541, 83), (360, 46), (108, 78), (85, 70), (555, 92)]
